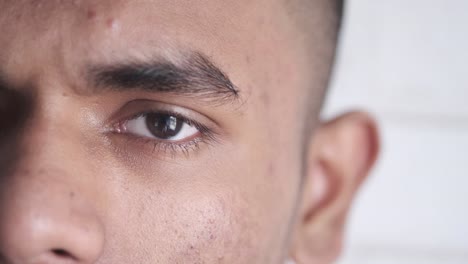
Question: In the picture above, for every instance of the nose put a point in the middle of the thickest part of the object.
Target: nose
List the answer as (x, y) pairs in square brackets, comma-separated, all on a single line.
[(47, 212), (48, 227)]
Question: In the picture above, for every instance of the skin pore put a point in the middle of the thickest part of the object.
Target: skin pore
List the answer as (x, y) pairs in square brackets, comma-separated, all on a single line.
[(172, 132)]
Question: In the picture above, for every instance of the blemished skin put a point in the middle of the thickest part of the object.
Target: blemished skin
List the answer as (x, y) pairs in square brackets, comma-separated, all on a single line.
[(169, 132)]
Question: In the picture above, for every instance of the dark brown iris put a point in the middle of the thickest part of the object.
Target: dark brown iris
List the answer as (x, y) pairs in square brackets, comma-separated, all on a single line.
[(163, 126)]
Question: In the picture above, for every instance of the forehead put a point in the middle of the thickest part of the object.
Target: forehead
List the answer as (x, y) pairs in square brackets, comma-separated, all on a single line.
[(79, 31), (131, 18)]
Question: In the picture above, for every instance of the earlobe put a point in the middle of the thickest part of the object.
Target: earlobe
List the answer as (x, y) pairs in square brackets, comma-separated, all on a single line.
[(340, 156)]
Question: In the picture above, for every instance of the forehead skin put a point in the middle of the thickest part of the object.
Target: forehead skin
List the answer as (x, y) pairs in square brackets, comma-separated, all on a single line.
[(233, 32), (239, 206)]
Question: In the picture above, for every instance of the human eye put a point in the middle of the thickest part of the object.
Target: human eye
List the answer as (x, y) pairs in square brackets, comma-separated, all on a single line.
[(161, 126), (165, 129)]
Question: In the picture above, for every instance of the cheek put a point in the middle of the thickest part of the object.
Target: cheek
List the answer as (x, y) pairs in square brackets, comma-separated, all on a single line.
[(202, 226), (216, 228), (233, 205), (197, 226)]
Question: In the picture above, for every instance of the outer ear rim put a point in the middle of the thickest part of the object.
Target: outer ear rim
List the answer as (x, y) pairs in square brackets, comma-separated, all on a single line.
[(372, 131), (332, 210), (357, 125)]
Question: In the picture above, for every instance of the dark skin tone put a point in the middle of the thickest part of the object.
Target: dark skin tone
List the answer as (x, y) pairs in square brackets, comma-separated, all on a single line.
[(169, 132)]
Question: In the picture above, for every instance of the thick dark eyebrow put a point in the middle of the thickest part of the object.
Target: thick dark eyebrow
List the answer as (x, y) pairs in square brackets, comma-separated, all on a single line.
[(194, 76)]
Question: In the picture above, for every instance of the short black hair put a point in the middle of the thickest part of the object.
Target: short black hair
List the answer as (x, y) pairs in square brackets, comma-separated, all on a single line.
[(303, 10), (339, 7), (318, 24)]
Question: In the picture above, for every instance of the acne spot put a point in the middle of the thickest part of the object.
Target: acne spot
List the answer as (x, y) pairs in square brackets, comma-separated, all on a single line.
[(38, 4), (112, 24), (72, 195), (91, 14), (76, 2), (247, 59), (18, 17), (265, 99), (271, 169)]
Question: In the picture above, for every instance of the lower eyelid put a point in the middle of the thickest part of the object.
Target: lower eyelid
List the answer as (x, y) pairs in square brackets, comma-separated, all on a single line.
[(128, 143)]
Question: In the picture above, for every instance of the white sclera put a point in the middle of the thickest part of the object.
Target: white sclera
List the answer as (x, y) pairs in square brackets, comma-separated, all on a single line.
[(139, 127)]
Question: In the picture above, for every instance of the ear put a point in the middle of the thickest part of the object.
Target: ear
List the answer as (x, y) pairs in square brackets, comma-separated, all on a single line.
[(340, 155)]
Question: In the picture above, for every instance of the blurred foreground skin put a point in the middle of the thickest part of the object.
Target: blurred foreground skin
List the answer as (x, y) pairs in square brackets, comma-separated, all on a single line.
[(170, 132)]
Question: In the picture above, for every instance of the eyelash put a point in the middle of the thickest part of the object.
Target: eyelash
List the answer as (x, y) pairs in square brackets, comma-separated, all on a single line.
[(168, 147)]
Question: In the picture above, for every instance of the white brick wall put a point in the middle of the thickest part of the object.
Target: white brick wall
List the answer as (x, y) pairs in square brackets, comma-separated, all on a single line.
[(407, 62)]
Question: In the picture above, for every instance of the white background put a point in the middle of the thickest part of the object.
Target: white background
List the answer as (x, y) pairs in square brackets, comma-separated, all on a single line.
[(407, 62)]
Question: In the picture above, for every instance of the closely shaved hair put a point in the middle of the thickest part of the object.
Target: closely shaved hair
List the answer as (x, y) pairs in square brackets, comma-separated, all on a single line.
[(317, 18), (318, 23)]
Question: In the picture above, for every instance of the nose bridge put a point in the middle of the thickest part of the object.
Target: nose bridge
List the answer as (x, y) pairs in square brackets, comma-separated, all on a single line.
[(47, 141), (46, 151), (51, 136), (46, 199)]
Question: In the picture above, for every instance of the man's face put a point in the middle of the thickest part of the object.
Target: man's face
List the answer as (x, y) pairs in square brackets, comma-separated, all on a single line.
[(115, 170), (150, 131)]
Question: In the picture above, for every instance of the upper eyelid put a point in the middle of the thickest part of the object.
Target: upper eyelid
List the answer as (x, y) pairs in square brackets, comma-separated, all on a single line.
[(136, 108), (183, 118), (175, 114)]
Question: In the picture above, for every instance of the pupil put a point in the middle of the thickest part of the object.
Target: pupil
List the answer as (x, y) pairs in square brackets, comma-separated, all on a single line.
[(163, 126)]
